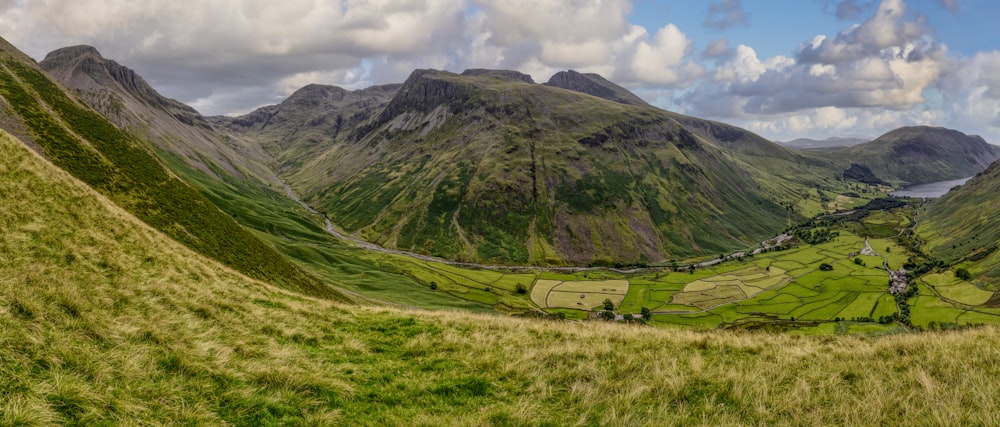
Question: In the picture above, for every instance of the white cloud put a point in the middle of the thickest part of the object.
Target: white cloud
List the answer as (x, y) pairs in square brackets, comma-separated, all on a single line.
[(664, 59)]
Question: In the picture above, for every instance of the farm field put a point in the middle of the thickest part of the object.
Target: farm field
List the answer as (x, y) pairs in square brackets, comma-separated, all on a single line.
[(786, 287), (578, 295)]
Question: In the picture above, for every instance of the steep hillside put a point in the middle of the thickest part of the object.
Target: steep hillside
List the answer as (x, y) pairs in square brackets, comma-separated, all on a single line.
[(594, 84), (963, 227), (125, 99), (104, 320), (84, 143), (919, 155), (475, 167)]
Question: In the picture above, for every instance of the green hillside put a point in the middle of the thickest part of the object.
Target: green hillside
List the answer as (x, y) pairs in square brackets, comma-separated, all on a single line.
[(492, 168), (84, 143), (104, 320), (918, 155), (962, 228)]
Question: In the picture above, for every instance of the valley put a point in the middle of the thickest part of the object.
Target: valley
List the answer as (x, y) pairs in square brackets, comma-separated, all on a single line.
[(477, 249)]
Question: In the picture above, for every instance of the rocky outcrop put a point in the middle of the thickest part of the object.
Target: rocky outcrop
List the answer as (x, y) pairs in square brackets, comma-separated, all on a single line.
[(500, 74), (595, 85)]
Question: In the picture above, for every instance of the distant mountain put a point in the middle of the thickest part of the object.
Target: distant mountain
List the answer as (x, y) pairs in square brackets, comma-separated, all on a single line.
[(594, 84), (487, 166), (918, 155), (125, 98), (806, 143), (308, 121), (963, 226), (49, 118)]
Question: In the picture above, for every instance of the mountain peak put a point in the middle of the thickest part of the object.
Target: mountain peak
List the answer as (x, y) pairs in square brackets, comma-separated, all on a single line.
[(71, 52), (313, 95), (93, 77), (595, 85), (502, 74)]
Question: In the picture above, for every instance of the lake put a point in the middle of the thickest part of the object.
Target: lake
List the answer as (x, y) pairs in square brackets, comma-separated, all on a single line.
[(931, 190)]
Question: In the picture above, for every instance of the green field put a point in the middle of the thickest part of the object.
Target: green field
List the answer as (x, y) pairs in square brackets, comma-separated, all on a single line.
[(578, 295), (787, 287)]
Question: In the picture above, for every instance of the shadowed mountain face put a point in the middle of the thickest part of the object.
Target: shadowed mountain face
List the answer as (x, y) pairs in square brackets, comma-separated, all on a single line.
[(919, 155), (125, 98), (593, 84)]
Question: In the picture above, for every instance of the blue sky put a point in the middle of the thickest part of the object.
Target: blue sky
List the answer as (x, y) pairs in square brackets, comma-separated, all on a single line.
[(781, 68), (776, 27)]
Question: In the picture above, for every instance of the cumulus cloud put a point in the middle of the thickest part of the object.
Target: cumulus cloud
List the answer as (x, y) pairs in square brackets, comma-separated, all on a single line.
[(886, 61), (971, 93), (885, 72), (229, 56), (224, 54), (725, 14)]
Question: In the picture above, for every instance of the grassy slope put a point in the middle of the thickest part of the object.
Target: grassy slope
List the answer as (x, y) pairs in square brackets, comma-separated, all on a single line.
[(299, 235), (105, 320), (83, 142), (961, 227)]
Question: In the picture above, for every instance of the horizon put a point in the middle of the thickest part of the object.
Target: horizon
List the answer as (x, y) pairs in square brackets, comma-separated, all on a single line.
[(842, 68)]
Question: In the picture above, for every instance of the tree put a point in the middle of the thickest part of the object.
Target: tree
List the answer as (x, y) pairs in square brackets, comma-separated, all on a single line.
[(434, 286), (646, 312), (963, 274), (521, 289), (608, 315), (825, 267), (609, 305), (628, 317)]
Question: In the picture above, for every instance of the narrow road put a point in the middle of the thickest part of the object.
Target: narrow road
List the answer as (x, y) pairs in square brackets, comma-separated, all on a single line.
[(373, 247)]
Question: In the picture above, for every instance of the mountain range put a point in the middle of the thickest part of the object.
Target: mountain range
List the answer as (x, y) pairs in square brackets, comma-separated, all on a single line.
[(164, 267), (487, 166)]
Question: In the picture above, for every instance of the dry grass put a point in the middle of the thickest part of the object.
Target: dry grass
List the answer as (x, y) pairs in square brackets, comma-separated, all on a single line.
[(105, 321), (578, 294)]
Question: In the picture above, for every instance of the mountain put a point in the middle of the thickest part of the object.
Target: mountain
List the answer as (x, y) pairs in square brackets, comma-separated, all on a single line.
[(124, 98), (491, 167), (919, 155), (105, 319), (594, 84), (806, 143), (307, 121), (963, 226), (76, 138)]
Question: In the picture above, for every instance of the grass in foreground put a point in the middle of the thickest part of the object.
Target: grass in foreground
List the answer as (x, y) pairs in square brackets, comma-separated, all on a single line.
[(104, 320)]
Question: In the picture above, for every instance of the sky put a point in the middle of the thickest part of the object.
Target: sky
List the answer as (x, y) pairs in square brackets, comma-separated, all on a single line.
[(782, 68)]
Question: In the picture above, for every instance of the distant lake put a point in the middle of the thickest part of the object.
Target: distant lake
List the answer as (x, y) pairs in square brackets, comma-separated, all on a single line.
[(932, 190)]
